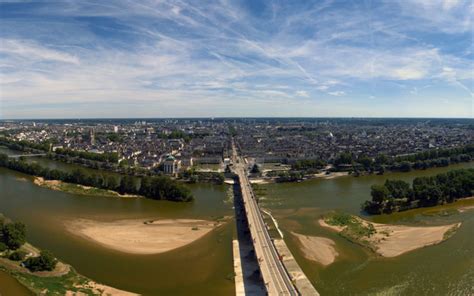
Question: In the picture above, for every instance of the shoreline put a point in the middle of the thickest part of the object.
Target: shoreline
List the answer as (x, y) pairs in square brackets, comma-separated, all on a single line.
[(72, 188), (390, 240), (142, 237), (321, 176), (71, 282)]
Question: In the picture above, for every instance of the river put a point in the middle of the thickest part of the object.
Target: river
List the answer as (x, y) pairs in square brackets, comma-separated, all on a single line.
[(444, 269), (202, 268)]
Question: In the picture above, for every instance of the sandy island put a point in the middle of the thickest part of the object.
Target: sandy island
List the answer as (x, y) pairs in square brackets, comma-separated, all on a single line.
[(142, 237), (318, 249), (394, 240)]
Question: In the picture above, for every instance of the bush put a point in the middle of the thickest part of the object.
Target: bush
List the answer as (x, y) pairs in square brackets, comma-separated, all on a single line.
[(45, 261), (3, 247), (17, 256), (340, 219)]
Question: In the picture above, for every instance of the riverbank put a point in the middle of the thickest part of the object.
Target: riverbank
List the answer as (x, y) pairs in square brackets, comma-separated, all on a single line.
[(317, 249), (63, 280), (78, 189), (333, 175), (71, 283), (323, 176), (142, 237), (385, 239)]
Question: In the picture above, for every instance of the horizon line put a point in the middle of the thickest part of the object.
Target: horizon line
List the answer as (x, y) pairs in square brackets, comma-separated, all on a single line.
[(239, 117)]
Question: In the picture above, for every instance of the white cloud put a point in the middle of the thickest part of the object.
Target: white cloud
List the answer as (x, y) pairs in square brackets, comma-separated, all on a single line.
[(408, 73), (32, 51), (302, 93), (192, 54), (337, 93)]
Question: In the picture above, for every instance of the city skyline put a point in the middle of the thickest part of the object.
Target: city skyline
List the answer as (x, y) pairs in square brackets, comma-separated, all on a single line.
[(228, 59)]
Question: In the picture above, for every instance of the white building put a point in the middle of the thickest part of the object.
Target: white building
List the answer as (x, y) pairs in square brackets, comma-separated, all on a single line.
[(171, 165)]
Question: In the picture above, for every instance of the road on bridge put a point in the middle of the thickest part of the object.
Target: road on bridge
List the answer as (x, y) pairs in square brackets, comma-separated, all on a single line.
[(274, 274)]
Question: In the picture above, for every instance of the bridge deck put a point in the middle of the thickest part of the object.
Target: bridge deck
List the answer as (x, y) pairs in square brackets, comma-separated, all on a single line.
[(274, 274)]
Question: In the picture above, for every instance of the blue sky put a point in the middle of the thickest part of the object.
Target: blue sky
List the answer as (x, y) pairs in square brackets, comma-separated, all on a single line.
[(78, 59)]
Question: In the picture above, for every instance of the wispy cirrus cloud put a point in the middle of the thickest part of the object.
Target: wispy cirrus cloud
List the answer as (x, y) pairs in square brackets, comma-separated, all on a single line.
[(234, 58)]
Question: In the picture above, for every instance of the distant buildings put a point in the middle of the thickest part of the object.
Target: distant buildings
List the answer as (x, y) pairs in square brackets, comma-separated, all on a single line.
[(178, 144)]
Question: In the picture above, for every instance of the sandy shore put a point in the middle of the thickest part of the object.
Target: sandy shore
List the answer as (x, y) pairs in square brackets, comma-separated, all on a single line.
[(86, 190), (394, 240), (402, 239), (318, 249), (330, 176), (261, 181), (464, 209), (138, 237), (101, 290)]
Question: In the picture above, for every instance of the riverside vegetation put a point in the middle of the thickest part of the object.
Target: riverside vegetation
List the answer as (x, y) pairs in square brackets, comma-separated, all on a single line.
[(159, 188), (405, 163), (388, 240), (39, 270), (12, 246), (398, 195), (363, 164)]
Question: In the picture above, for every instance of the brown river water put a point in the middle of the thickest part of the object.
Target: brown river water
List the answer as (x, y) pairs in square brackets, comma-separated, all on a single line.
[(203, 267)]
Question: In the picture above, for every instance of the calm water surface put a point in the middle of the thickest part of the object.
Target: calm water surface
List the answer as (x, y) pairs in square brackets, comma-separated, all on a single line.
[(9, 286), (201, 268), (444, 269)]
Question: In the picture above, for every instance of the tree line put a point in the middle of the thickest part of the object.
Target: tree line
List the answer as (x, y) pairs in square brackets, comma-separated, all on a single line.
[(111, 157), (309, 164), (405, 163), (194, 176), (398, 195), (24, 145), (158, 187), (12, 238)]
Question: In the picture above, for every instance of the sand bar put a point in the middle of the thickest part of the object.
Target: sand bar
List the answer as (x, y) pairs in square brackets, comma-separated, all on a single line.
[(402, 239), (394, 240), (318, 249), (138, 237)]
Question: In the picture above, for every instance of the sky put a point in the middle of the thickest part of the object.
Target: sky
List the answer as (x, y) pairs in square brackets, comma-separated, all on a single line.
[(153, 58)]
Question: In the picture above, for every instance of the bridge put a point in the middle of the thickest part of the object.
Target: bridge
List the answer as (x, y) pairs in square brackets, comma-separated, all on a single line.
[(276, 278)]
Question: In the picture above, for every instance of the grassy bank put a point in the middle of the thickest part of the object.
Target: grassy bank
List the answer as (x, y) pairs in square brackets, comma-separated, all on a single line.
[(71, 283), (352, 228)]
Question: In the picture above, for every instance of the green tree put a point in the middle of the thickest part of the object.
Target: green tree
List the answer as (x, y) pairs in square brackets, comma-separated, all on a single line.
[(14, 235), (127, 185), (112, 182), (17, 255), (44, 262), (255, 169), (379, 193), (343, 158)]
